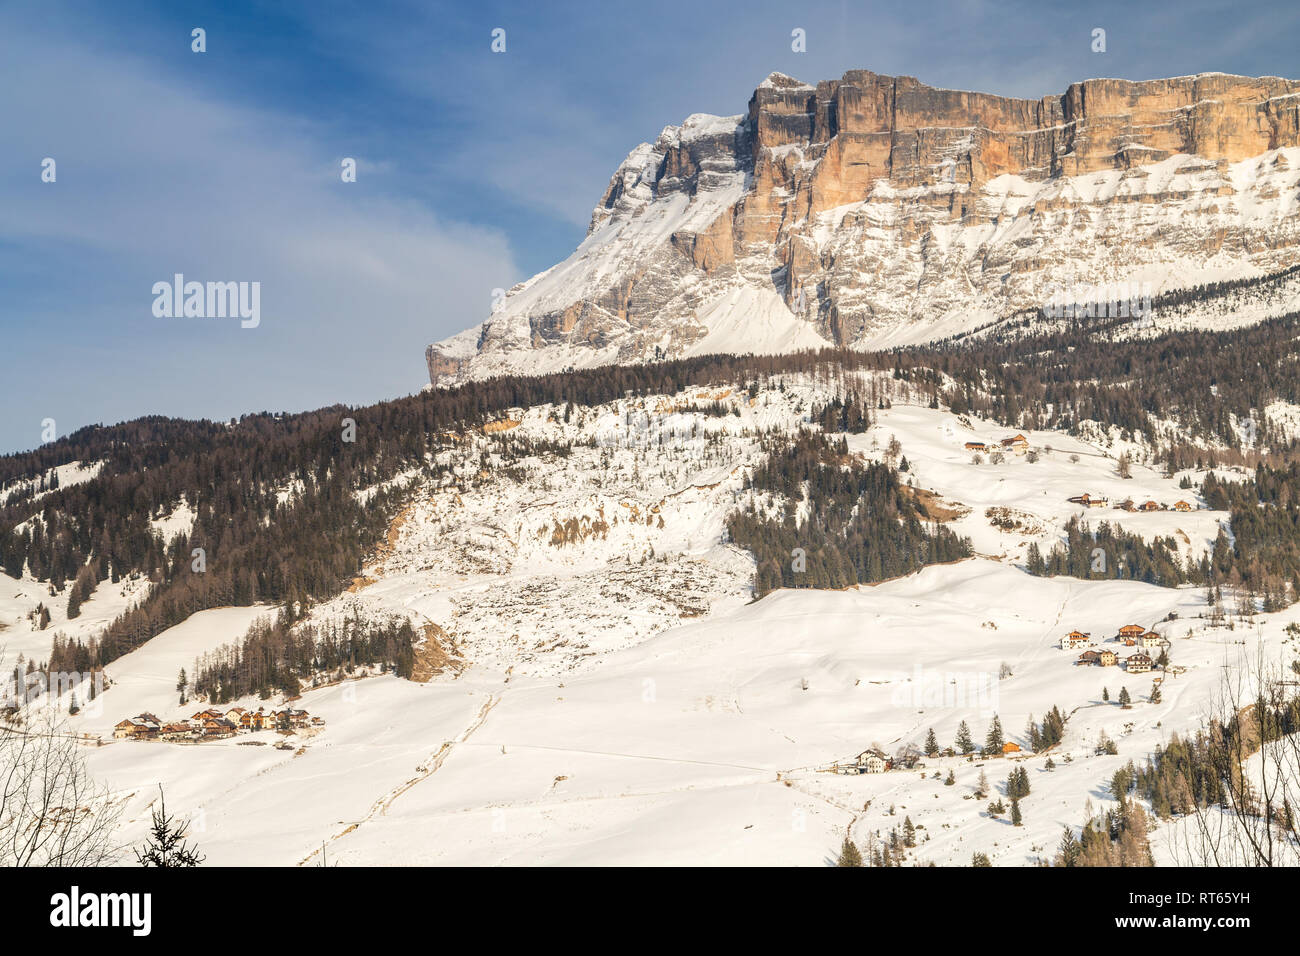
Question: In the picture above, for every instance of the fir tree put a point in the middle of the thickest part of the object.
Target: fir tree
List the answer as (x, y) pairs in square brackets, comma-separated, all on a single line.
[(993, 741), (1068, 850), (964, 742), (849, 854), (166, 844)]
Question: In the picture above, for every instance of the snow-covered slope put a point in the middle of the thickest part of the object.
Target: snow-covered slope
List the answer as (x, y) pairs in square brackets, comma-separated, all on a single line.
[(616, 697), (702, 745)]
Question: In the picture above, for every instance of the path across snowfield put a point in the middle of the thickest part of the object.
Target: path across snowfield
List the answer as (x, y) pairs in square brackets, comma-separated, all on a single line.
[(699, 745), (620, 700)]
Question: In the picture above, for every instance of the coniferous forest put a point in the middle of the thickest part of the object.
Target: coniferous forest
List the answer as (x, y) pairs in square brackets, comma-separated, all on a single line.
[(1263, 556), (276, 657), (840, 522), (279, 520)]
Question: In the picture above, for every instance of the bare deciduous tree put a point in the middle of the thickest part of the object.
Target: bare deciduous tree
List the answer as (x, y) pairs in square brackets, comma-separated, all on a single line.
[(1254, 745), (52, 812)]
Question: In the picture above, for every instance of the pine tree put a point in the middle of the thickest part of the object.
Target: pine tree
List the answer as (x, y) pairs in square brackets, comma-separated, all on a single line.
[(849, 854), (982, 787), (1068, 850), (1016, 818), (964, 742), (1124, 699), (166, 844), (909, 832), (931, 744), (1105, 694), (993, 742), (1035, 736)]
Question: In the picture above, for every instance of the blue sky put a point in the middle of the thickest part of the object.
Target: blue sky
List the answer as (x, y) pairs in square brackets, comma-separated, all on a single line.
[(475, 169)]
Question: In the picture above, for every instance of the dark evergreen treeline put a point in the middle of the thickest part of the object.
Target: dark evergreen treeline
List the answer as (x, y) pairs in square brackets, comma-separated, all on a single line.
[(843, 413), (1189, 773), (261, 545), (1056, 379), (1263, 558), (1107, 316), (276, 656), (1209, 291), (1124, 556), (860, 523), (1265, 520)]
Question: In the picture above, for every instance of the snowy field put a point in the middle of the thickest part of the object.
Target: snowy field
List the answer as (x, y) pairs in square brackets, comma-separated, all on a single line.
[(616, 697), (701, 744)]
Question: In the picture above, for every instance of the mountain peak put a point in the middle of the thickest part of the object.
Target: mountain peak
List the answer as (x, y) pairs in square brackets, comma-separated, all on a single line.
[(883, 211), (781, 81)]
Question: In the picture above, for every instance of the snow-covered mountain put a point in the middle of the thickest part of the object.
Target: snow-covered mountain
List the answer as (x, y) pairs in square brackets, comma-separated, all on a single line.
[(874, 210), (611, 694)]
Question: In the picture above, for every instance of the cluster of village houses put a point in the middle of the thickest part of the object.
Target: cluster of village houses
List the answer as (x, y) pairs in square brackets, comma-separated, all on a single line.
[(877, 761), (1130, 635), (1099, 501), (213, 723), (1013, 443), (1139, 662), (1019, 444)]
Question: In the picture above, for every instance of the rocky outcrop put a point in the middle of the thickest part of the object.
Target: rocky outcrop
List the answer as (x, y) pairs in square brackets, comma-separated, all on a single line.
[(874, 209)]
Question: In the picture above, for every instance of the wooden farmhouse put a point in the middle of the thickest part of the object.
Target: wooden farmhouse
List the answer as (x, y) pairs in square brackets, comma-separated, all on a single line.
[(1130, 630), (1075, 639), (1138, 663), (219, 727), (1107, 658), (872, 761), (144, 725), (1182, 506), (1016, 443)]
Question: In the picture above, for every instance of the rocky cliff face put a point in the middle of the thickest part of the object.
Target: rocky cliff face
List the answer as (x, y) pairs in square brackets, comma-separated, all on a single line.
[(874, 210)]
